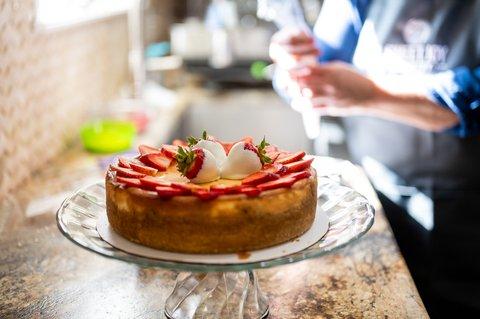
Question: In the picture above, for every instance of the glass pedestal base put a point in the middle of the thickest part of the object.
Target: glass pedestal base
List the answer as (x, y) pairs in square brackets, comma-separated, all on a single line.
[(216, 295)]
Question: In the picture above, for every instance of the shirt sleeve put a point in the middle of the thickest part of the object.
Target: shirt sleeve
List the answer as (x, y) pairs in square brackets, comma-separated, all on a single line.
[(338, 28), (459, 90)]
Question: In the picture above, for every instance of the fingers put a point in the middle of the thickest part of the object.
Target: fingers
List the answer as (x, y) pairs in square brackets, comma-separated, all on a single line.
[(301, 49), (290, 47), (306, 71), (312, 92), (292, 36)]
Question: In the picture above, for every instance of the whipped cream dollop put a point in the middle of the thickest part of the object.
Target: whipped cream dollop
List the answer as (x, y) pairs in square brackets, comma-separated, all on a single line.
[(209, 170), (242, 160), (215, 148)]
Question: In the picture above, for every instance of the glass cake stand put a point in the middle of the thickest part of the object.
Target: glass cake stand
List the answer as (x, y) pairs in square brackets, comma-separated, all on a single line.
[(218, 290)]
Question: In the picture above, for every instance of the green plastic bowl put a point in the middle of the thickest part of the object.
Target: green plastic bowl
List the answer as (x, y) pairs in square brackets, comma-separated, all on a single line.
[(107, 136)]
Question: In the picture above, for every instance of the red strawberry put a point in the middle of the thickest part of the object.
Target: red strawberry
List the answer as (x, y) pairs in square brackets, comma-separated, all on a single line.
[(259, 178), (169, 192), (224, 189), (190, 162), (157, 160), (179, 143), (299, 175), (250, 147), (283, 154), (298, 166), (206, 194), (247, 139), (131, 182), (278, 183), (144, 169), (226, 146), (198, 165), (273, 156), (123, 162), (291, 158), (152, 182), (170, 151), (275, 168), (145, 149), (250, 191), (188, 187), (126, 172)]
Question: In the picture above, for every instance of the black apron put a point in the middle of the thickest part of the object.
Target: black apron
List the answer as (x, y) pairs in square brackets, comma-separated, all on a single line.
[(439, 168)]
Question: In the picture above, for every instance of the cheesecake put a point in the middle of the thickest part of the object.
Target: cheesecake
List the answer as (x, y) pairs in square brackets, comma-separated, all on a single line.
[(206, 196)]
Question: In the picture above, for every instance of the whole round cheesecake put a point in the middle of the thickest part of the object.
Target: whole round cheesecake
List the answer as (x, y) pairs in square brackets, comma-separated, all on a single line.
[(209, 196)]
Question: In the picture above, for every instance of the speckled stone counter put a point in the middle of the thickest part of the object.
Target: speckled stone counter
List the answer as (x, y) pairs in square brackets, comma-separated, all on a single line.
[(43, 275)]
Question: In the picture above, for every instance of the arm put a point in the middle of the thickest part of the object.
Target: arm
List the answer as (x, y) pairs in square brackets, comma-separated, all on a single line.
[(451, 102), (411, 109), (336, 89)]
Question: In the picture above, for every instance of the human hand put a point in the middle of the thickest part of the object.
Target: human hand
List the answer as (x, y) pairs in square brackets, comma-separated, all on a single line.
[(290, 47), (336, 89)]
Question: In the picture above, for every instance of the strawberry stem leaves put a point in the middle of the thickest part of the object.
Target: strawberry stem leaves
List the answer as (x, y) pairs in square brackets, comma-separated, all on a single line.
[(262, 153), (185, 158), (192, 140)]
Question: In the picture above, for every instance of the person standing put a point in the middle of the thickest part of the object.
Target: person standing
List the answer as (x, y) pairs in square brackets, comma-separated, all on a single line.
[(405, 77)]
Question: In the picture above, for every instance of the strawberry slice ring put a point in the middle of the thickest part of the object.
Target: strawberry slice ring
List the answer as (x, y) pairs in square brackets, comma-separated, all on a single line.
[(271, 167)]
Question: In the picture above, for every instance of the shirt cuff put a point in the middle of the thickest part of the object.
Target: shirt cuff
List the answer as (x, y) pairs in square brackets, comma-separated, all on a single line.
[(459, 90)]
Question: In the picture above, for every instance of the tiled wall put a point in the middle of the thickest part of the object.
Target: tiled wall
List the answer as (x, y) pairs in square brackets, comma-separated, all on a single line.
[(48, 82)]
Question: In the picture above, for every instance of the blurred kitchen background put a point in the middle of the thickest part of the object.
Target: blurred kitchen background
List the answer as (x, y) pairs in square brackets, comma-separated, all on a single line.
[(74, 72)]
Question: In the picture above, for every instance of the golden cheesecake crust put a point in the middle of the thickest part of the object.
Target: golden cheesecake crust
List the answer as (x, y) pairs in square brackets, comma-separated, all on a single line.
[(228, 224)]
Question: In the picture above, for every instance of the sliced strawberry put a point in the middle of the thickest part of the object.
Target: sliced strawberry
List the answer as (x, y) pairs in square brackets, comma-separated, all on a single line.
[(188, 187), (259, 178), (126, 172), (278, 183), (206, 194), (145, 149), (226, 146), (271, 148), (274, 168), (291, 158), (299, 175), (224, 189), (247, 139), (169, 192), (123, 162), (250, 191), (151, 182), (273, 156), (144, 169), (283, 154), (179, 143), (130, 182), (298, 166), (158, 161), (170, 151)]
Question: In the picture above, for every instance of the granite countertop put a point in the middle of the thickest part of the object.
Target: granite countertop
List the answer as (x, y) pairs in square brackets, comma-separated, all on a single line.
[(43, 275)]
